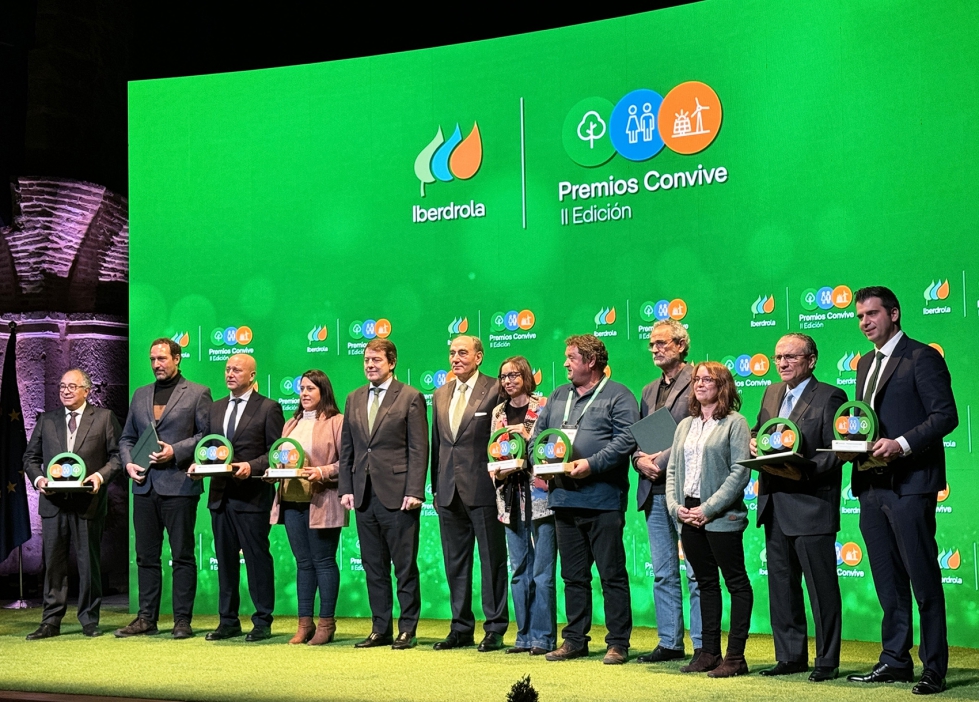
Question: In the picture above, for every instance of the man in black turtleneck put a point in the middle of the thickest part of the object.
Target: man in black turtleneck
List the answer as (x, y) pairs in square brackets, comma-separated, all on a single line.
[(164, 497)]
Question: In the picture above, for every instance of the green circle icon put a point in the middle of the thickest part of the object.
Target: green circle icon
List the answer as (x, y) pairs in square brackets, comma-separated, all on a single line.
[(293, 456), (810, 299), (731, 363), (585, 134), (498, 322), (217, 336), (648, 311), (357, 329), (66, 466)]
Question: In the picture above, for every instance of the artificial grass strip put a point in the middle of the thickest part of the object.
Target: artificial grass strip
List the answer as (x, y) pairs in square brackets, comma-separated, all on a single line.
[(195, 669)]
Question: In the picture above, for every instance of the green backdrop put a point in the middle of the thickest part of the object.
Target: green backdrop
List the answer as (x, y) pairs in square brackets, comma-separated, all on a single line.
[(281, 212)]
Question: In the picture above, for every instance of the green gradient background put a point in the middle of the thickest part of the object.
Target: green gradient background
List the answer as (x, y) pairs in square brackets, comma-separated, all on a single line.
[(281, 200)]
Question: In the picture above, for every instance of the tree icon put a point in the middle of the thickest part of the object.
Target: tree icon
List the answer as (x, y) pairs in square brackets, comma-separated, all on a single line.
[(590, 123)]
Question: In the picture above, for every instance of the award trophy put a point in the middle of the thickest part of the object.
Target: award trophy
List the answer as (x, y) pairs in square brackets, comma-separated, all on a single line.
[(778, 443), (552, 452), (66, 471), (286, 459), (857, 430), (212, 455), (506, 452)]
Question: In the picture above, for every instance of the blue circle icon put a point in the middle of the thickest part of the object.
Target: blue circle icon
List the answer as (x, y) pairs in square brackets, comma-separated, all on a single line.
[(439, 378), (742, 366), (231, 336), (824, 298), (662, 310), (510, 320), (368, 329), (632, 126)]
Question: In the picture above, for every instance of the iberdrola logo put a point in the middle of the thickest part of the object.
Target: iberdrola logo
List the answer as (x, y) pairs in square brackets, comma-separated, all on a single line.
[(459, 325), (447, 159), (949, 560), (848, 362), (765, 304), (606, 315), (936, 291)]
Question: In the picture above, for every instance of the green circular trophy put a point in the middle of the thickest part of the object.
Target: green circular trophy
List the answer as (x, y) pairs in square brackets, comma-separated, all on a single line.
[(286, 459), (778, 435), (506, 451), (856, 427), (213, 455), (552, 452), (65, 473)]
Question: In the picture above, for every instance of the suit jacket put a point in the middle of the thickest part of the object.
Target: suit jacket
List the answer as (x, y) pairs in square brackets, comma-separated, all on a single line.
[(325, 510), (678, 403), (183, 422), (96, 442), (460, 464), (259, 425), (808, 506), (395, 453), (914, 400)]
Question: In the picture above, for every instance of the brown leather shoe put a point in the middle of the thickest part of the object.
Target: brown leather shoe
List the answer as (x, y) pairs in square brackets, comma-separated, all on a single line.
[(567, 652), (732, 665), (702, 662), (304, 632), (137, 627), (326, 627), (616, 655)]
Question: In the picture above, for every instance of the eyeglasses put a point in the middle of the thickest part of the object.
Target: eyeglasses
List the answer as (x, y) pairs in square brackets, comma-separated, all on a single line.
[(509, 376), (659, 345), (789, 357), (71, 387), (704, 380)]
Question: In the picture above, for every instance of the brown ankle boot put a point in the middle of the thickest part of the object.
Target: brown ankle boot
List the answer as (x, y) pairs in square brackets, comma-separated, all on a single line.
[(325, 629), (733, 664), (304, 632), (702, 662)]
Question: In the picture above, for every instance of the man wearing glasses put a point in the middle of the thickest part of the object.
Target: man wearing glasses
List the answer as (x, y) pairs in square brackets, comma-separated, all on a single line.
[(669, 344), (802, 517)]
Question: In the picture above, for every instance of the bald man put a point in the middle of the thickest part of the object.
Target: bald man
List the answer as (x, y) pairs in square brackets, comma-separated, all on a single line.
[(239, 505)]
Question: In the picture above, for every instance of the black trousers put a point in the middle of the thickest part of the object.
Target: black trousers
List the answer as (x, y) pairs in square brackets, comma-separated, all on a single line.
[(789, 558), (462, 528), (246, 533), (586, 537), (710, 552), (389, 536), (152, 513), (85, 536), (900, 537)]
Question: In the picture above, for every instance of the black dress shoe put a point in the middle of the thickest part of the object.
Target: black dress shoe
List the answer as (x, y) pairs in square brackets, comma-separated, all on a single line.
[(930, 684), (224, 631), (517, 649), (660, 654), (538, 651), (182, 630), (883, 673), (373, 640), (491, 642), (786, 668), (258, 633), (137, 627), (455, 640), (405, 640), (91, 630), (45, 631), (822, 672)]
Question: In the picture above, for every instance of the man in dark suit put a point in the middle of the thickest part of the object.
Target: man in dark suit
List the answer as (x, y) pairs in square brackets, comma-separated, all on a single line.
[(164, 496), (92, 434), (466, 498), (669, 344), (909, 387), (802, 517), (240, 506), (383, 459)]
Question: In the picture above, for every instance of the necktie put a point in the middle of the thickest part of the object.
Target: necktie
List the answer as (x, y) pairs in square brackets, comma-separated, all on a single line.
[(787, 404), (872, 385), (72, 423), (233, 420), (458, 410), (372, 410)]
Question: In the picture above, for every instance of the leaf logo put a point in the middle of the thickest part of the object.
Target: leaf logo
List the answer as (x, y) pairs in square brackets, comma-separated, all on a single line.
[(949, 560), (936, 291), (765, 304), (182, 339), (605, 316), (848, 363), (459, 325), (447, 159), (317, 334), (538, 377)]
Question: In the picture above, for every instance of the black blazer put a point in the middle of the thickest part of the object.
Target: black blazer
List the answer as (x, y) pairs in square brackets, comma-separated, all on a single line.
[(96, 442), (395, 453), (678, 403), (460, 464), (259, 426), (914, 400), (808, 506)]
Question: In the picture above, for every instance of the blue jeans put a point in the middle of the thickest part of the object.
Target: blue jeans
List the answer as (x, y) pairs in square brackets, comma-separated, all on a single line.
[(533, 557), (667, 594), (316, 560)]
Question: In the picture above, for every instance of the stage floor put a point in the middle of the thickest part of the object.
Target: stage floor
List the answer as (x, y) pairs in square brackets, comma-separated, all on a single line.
[(158, 667)]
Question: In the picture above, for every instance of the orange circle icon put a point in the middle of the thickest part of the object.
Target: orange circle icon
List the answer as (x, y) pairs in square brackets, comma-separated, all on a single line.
[(943, 494), (382, 328), (495, 449), (678, 309), (843, 424), (938, 348), (56, 470), (608, 371), (560, 449), (759, 364), (788, 438), (690, 117), (244, 335), (526, 319), (842, 296), (851, 553), (222, 452)]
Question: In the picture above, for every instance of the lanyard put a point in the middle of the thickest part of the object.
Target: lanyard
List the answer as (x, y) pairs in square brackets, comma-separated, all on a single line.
[(567, 405)]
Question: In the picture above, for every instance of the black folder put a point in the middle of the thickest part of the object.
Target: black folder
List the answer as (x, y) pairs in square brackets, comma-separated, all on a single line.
[(148, 443)]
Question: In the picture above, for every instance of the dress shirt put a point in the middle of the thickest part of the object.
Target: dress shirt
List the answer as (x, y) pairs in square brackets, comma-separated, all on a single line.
[(70, 435), (693, 454), (231, 407), (888, 350), (795, 393), (380, 396), (470, 386)]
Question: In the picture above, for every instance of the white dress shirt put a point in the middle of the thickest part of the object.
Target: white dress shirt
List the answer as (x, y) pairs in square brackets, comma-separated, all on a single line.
[(888, 351)]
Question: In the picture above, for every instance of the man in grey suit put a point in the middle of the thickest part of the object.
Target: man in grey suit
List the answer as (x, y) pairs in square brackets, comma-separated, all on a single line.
[(383, 459), (91, 433), (802, 517), (466, 498), (164, 496), (669, 344)]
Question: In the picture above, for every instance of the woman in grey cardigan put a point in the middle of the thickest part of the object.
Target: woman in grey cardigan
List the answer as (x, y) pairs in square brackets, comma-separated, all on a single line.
[(705, 493)]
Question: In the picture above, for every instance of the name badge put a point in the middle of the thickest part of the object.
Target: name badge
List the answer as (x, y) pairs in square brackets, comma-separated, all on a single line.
[(570, 431)]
